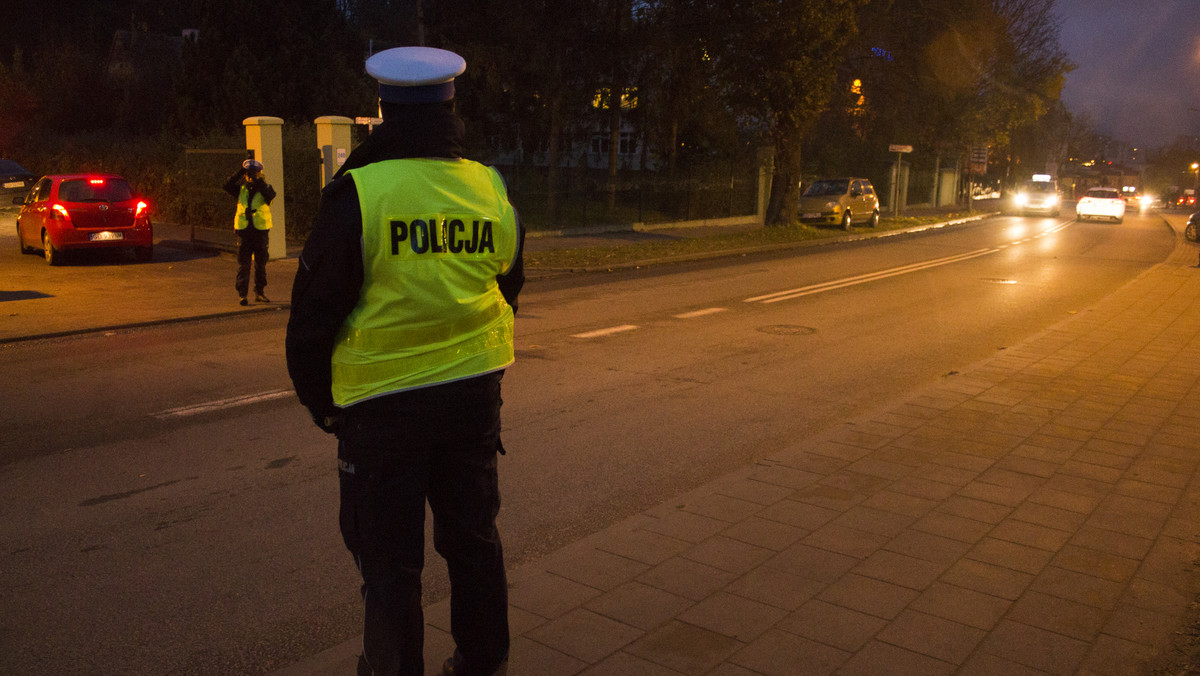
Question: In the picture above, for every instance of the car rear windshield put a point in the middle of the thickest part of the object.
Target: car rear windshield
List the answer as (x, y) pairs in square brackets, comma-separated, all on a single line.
[(95, 190), (10, 167), (1100, 193), (834, 187)]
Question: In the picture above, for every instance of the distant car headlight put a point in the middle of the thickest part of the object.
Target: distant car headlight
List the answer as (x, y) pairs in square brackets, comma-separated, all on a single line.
[(1021, 199), (833, 206), (1053, 200)]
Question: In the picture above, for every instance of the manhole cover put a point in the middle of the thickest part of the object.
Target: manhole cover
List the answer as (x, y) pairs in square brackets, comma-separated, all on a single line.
[(787, 330)]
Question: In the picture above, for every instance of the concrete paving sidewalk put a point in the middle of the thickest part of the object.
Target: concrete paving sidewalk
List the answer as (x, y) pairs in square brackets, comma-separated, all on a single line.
[(1037, 513)]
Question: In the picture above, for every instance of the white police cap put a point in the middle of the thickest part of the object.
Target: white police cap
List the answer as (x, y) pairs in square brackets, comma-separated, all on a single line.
[(415, 74), (252, 165)]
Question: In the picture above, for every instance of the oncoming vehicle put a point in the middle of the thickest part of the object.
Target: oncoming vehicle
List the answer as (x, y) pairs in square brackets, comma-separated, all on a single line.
[(1039, 196), (83, 211), (1105, 203), (1134, 199), (841, 202)]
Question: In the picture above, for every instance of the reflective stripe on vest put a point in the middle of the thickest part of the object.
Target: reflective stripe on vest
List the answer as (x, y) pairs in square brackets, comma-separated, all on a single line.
[(261, 214), (436, 233)]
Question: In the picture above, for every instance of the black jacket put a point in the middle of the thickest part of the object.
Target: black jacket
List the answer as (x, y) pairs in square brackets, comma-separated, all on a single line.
[(234, 187), (330, 274)]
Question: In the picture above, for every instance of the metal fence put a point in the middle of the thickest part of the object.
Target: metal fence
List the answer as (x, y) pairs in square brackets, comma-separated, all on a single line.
[(642, 200), (205, 170)]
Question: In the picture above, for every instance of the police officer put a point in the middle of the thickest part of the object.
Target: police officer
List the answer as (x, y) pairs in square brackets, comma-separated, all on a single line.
[(400, 330), (252, 222)]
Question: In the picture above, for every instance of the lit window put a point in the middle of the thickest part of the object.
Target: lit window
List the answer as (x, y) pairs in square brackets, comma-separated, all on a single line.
[(629, 99)]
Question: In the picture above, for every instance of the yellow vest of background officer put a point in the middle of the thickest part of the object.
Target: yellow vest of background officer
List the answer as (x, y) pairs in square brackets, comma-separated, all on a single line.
[(436, 233), (261, 214)]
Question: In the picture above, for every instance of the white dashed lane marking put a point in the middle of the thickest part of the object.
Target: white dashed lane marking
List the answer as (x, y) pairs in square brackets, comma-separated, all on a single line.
[(700, 313), (600, 333)]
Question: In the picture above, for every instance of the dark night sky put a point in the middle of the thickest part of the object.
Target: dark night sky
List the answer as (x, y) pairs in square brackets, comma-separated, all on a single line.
[(1138, 74)]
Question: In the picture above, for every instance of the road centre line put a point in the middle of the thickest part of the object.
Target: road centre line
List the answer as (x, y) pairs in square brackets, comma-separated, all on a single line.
[(869, 277), (221, 404), (700, 313), (883, 274), (605, 332)]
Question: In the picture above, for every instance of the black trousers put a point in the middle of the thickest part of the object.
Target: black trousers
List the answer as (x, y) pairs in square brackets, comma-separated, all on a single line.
[(396, 452), (252, 243)]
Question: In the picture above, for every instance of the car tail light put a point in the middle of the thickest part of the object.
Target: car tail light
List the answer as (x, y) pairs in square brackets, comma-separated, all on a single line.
[(59, 211), (142, 208), (96, 181)]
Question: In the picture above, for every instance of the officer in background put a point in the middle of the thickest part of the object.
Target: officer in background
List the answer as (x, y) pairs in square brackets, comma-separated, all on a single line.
[(252, 222), (400, 330)]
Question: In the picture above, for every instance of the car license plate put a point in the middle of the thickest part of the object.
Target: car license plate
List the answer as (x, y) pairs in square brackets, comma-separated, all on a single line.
[(15, 184), (810, 215), (105, 236)]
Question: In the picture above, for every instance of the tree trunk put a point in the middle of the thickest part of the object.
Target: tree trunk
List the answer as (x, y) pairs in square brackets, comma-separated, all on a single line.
[(785, 188)]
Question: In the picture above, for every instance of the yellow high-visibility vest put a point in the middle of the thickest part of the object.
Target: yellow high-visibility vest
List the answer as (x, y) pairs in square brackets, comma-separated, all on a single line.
[(261, 214), (436, 233)]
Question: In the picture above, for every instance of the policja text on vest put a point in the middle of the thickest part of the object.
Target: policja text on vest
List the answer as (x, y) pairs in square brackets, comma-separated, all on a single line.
[(444, 237)]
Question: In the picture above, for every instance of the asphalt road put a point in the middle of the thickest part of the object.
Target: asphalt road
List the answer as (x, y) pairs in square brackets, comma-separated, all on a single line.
[(169, 509)]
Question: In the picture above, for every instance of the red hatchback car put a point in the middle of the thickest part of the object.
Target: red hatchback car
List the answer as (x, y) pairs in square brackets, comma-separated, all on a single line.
[(84, 211)]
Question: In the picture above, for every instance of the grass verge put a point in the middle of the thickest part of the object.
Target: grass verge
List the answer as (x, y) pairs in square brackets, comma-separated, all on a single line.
[(675, 246)]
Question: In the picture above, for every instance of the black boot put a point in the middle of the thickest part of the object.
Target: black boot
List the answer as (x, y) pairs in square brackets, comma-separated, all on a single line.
[(453, 666)]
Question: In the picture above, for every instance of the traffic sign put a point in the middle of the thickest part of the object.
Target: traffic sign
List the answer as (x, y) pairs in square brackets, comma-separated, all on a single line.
[(894, 148)]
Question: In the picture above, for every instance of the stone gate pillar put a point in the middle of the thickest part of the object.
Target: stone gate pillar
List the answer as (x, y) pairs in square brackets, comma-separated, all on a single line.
[(264, 135)]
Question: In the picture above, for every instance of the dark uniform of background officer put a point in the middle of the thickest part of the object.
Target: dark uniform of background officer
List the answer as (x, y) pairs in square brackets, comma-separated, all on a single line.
[(252, 222), (401, 444)]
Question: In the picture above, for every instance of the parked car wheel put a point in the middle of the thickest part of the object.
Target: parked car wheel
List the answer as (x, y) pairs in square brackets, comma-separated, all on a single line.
[(1190, 232), (846, 217), (874, 222), (53, 256)]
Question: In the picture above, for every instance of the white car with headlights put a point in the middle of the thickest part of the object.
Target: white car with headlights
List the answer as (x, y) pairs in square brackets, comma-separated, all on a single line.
[(1039, 196), (1101, 203)]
